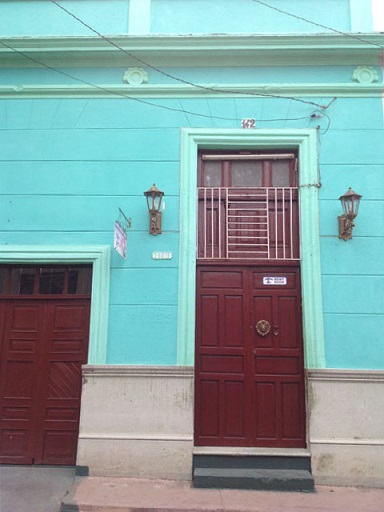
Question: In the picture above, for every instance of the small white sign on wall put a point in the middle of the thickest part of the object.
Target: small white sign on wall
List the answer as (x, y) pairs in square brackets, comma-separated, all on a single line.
[(120, 240), (275, 281), (161, 255)]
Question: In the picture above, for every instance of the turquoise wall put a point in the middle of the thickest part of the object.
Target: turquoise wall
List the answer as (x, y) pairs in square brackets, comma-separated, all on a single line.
[(42, 18), (352, 154), (68, 165), (212, 75), (216, 16)]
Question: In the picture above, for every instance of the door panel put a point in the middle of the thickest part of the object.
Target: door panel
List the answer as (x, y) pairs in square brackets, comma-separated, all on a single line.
[(249, 384), (220, 359), (265, 410), (278, 356), (66, 346), (45, 342), (234, 414), (21, 350)]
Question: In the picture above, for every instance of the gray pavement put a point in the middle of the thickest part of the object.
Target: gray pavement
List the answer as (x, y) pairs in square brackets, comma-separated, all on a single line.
[(98, 494), (43, 489), (34, 488)]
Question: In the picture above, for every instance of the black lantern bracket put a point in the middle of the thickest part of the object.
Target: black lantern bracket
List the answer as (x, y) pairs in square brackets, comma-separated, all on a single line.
[(124, 221)]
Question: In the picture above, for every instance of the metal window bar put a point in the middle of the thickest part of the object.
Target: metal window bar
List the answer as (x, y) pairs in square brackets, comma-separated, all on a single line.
[(237, 223), (291, 224), (271, 156), (276, 217), (212, 224), (283, 203)]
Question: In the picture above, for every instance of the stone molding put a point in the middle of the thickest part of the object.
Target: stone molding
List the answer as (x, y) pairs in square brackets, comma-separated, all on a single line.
[(346, 375), (216, 50), (365, 75), (137, 371), (188, 91), (135, 76), (135, 437), (349, 442)]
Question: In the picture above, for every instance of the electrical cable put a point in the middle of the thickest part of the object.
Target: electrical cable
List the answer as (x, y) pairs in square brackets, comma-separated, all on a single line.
[(139, 100), (212, 89), (346, 34), (109, 91), (173, 77), (319, 115)]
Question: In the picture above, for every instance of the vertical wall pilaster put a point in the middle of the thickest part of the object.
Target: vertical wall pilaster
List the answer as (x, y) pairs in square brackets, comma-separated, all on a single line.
[(139, 17), (361, 15), (378, 15)]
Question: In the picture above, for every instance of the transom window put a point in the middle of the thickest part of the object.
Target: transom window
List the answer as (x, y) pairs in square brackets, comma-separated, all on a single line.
[(248, 206), (247, 169), (16, 280)]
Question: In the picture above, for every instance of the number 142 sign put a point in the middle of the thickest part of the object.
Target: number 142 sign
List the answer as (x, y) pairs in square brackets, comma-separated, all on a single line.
[(248, 123)]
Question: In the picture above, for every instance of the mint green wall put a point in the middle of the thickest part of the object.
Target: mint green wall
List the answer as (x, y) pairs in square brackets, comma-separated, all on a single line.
[(226, 75), (353, 272), (216, 16), (42, 18), (68, 165)]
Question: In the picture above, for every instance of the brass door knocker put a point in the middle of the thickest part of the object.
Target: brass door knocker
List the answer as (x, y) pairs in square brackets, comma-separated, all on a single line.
[(263, 327)]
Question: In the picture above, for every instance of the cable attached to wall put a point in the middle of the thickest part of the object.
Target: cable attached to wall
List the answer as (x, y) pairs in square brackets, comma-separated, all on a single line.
[(145, 102), (173, 77), (316, 24)]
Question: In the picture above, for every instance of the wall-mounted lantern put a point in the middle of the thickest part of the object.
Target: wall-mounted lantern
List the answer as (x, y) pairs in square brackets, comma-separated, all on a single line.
[(350, 202), (154, 197)]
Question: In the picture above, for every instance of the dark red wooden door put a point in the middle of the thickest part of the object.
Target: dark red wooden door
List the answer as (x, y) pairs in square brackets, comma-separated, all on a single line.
[(44, 342), (249, 382)]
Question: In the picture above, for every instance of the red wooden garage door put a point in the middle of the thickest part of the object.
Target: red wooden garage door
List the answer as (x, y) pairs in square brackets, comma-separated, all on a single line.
[(44, 314)]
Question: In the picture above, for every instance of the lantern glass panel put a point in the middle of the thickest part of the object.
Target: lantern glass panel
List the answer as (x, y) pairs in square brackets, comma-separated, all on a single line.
[(157, 202), (348, 206), (357, 204)]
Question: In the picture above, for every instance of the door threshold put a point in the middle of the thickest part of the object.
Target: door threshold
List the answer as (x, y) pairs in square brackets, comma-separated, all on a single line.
[(250, 450)]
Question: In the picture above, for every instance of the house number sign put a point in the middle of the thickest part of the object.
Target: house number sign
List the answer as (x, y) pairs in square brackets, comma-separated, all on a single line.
[(275, 281), (248, 123)]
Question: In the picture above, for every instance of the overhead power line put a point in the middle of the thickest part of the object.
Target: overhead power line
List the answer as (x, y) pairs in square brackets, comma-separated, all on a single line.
[(139, 100), (181, 80), (174, 77), (109, 91), (316, 24)]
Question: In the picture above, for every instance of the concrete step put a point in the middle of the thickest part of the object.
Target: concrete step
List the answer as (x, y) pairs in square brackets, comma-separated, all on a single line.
[(252, 461), (299, 480)]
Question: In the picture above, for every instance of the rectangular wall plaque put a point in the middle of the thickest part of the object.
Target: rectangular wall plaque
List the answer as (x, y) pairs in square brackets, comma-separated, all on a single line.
[(161, 255), (275, 281)]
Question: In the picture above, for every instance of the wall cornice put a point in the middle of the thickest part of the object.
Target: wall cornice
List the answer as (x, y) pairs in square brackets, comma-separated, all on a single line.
[(189, 91), (194, 50)]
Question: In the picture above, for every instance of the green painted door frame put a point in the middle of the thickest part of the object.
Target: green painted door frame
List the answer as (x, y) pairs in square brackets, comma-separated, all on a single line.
[(99, 257), (305, 141)]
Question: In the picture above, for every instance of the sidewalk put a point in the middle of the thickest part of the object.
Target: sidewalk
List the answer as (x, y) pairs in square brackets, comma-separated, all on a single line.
[(34, 488), (96, 494)]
